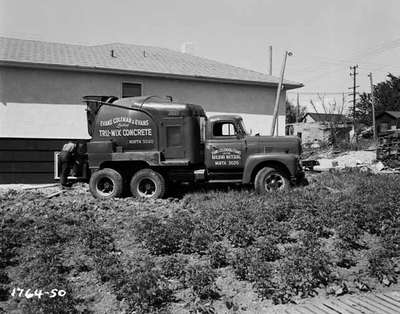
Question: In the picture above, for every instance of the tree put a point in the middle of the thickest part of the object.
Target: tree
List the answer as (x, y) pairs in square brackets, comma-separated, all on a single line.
[(387, 97), (292, 114), (363, 109)]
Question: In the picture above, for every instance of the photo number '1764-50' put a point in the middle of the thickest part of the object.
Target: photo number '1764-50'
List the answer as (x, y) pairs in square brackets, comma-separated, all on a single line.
[(37, 293)]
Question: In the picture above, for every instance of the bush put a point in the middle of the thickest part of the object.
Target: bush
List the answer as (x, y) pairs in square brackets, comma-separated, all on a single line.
[(157, 235), (303, 268), (143, 286), (381, 266), (219, 254), (266, 249), (242, 261), (180, 232), (252, 263), (200, 277), (173, 266)]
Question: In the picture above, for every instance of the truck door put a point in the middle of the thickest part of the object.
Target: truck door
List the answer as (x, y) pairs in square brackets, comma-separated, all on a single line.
[(224, 147)]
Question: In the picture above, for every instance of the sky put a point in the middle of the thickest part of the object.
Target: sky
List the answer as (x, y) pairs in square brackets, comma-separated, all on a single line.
[(325, 37)]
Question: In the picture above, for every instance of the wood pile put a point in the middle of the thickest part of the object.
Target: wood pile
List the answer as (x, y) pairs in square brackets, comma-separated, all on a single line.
[(388, 150)]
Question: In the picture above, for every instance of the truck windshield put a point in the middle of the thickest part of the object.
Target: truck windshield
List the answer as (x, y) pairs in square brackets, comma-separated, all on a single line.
[(243, 128)]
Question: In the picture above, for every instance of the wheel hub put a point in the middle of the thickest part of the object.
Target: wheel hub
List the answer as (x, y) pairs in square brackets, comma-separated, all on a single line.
[(146, 188), (274, 182), (105, 186)]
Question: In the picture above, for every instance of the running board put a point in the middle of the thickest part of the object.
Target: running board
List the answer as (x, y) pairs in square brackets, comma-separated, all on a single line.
[(225, 181)]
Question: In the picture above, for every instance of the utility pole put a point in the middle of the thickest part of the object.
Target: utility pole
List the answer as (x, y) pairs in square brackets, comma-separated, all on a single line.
[(354, 94), (372, 104), (270, 61), (298, 109), (343, 102), (278, 93)]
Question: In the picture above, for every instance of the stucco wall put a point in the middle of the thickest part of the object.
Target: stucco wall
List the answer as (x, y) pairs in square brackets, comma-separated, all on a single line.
[(25, 85), (57, 86)]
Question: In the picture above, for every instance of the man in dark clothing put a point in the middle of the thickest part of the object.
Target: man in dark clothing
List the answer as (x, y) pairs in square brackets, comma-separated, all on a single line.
[(65, 162)]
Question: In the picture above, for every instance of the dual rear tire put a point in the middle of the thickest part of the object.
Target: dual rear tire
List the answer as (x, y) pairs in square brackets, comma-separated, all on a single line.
[(108, 183)]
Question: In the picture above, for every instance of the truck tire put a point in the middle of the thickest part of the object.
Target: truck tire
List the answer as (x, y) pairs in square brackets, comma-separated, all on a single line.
[(269, 180), (106, 183), (147, 183)]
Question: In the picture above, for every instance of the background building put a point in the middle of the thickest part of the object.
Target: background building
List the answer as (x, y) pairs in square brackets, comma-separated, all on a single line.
[(388, 120), (42, 85), (321, 128)]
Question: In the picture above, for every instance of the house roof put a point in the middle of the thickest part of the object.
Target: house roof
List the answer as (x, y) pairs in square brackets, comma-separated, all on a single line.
[(127, 58), (394, 114), (327, 117)]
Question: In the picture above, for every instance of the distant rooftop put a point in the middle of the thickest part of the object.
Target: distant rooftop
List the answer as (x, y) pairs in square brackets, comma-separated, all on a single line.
[(133, 59), (394, 114), (327, 117)]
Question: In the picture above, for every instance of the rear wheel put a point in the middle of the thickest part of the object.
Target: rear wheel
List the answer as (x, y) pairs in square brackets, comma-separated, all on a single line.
[(270, 180), (106, 183), (147, 183)]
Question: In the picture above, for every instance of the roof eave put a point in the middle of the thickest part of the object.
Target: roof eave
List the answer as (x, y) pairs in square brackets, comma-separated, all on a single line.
[(79, 68), (388, 113)]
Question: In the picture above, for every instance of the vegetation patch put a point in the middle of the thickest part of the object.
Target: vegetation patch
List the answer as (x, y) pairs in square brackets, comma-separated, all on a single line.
[(157, 256)]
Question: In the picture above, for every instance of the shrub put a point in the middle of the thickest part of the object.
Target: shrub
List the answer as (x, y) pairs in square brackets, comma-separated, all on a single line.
[(173, 266), (266, 249), (218, 253), (381, 265), (242, 261), (252, 263), (200, 277), (303, 268), (156, 235), (143, 286), (169, 235)]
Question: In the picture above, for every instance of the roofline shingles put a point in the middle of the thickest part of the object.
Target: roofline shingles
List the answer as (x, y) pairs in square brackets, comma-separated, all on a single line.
[(130, 59)]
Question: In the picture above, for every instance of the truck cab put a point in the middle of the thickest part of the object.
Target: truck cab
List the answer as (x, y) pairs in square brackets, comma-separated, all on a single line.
[(149, 143)]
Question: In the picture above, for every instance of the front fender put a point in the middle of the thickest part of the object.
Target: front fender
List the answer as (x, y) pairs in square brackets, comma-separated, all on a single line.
[(289, 161)]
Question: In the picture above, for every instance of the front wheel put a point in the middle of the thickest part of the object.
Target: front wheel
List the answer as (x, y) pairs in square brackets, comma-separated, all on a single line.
[(147, 183), (270, 180), (106, 183)]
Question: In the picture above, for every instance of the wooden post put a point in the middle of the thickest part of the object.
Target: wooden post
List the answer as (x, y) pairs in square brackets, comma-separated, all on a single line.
[(373, 104), (270, 61), (278, 93)]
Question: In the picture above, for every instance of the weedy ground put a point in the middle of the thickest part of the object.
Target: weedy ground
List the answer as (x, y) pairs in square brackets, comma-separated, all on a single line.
[(206, 251)]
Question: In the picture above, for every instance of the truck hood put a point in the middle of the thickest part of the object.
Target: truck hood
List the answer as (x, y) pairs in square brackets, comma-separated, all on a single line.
[(274, 144)]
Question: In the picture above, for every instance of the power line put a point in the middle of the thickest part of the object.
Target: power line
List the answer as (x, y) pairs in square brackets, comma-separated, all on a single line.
[(393, 44), (346, 62)]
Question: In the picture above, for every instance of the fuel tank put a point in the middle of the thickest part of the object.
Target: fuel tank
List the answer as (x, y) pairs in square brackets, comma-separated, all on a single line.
[(274, 144)]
